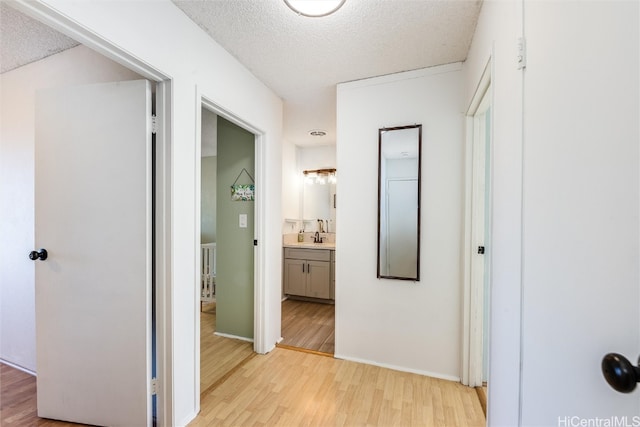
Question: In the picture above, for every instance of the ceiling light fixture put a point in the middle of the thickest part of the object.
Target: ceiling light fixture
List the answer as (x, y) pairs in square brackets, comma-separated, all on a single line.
[(314, 8), (317, 132)]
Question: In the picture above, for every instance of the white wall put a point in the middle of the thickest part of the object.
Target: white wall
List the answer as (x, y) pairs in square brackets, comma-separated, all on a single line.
[(165, 38), (410, 326), (316, 157), (499, 26), (581, 272), (291, 186), (18, 87)]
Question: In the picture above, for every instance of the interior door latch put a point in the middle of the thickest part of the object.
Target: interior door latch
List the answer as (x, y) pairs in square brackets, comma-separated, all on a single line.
[(481, 250)]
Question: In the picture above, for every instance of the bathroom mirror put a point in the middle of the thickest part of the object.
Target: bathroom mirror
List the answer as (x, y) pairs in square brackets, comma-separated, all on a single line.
[(399, 161), (318, 199)]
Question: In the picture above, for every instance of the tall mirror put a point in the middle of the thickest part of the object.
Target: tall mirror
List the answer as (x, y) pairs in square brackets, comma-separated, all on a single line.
[(399, 161)]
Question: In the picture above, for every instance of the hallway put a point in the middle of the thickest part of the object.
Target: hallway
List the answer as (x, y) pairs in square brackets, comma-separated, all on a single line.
[(290, 388), (285, 388)]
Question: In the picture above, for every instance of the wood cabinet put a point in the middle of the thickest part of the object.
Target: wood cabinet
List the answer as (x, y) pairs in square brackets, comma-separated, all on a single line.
[(308, 273)]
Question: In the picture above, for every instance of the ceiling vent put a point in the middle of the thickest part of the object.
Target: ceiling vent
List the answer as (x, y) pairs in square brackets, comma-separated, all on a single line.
[(317, 132)]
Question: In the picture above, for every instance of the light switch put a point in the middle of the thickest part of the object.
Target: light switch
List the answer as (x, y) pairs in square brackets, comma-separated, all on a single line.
[(243, 220)]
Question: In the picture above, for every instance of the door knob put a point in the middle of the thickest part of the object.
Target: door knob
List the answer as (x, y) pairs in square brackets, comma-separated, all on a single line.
[(620, 373), (41, 255)]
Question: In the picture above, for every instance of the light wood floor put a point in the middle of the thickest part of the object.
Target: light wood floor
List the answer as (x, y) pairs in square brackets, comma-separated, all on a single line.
[(483, 397), (290, 388), (218, 355), (18, 401), (308, 325)]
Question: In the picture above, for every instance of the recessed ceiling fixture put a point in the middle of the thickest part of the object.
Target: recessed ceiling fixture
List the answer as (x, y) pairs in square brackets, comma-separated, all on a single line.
[(314, 8), (317, 132)]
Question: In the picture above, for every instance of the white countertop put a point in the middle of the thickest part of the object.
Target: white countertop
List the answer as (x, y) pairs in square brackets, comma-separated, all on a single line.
[(310, 245), (290, 240)]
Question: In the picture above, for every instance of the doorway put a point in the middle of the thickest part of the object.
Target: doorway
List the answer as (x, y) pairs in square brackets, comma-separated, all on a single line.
[(227, 245), (308, 287), (478, 245)]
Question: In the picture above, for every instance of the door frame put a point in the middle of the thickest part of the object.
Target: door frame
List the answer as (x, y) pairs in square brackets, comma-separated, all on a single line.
[(259, 282), (473, 296), (163, 280)]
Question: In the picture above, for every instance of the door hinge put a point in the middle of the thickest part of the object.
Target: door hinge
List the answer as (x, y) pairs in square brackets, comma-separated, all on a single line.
[(154, 124), (255, 242), (522, 53), (481, 250), (154, 386)]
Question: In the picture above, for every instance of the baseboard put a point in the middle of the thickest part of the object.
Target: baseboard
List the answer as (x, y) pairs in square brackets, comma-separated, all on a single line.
[(305, 350), (235, 337), (399, 368), (18, 367), (310, 299), (186, 420), (270, 349)]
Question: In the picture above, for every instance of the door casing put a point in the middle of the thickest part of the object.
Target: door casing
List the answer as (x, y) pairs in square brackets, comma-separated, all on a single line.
[(473, 294)]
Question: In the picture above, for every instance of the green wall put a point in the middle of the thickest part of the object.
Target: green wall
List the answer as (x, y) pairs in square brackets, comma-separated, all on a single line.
[(208, 192), (234, 276)]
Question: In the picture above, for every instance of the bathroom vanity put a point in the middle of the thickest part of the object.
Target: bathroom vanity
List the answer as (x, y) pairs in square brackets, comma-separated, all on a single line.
[(309, 240), (309, 271)]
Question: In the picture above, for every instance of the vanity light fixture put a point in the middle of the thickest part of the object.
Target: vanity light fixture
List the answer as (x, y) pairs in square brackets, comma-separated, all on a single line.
[(320, 176), (310, 177), (314, 8)]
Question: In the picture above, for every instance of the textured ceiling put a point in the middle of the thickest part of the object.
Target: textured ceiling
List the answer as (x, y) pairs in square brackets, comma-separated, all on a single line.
[(302, 59), (24, 40)]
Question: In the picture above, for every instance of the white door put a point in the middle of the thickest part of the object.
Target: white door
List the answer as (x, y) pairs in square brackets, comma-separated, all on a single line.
[(93, 216), (580, 211), (480, 245)]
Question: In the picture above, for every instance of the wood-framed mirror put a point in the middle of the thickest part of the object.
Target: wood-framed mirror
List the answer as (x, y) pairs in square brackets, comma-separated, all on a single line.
[(399, 173)]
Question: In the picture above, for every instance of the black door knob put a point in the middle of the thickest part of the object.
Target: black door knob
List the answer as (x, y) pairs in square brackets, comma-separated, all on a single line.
[(41, 255), (620, 373)]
